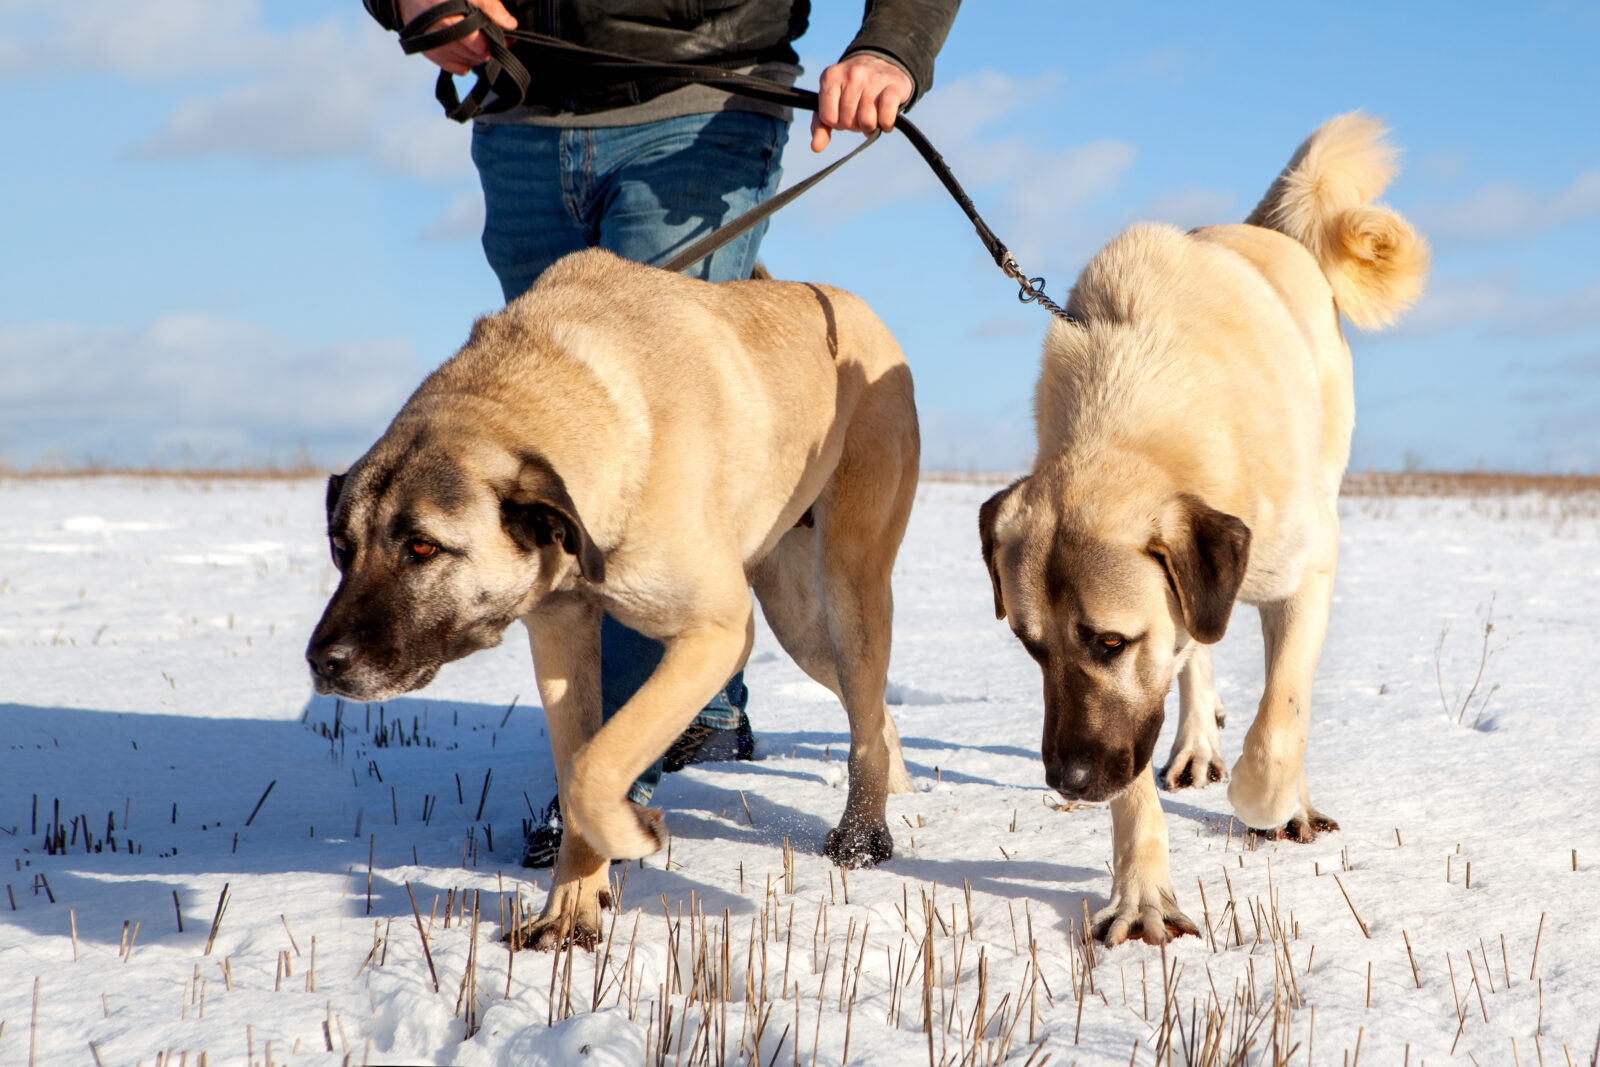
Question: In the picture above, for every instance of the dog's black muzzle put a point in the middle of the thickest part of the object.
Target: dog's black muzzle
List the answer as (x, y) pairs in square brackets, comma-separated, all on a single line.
[(1086, 765)]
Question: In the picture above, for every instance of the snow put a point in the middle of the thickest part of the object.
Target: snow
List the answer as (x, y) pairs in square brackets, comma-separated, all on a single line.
[(151, 674)]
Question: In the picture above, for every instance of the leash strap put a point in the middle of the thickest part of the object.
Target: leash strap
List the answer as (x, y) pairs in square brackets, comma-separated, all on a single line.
[(508, 79), (756, 215)]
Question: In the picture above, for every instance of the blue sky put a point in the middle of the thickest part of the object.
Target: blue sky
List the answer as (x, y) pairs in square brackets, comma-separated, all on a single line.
[(235, 232)]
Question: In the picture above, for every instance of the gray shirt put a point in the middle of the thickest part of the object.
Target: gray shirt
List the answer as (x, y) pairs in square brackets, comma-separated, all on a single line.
[(689, 100)]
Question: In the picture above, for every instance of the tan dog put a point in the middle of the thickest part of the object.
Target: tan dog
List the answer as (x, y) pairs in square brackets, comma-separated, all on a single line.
[(1194, 424), (626, 440)]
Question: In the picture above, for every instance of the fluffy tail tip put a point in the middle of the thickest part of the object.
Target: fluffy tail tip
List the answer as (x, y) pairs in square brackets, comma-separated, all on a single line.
[(1375, 262), (1381, 265)]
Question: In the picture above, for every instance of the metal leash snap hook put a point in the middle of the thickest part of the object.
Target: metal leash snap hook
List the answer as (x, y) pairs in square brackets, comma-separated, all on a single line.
[(1032, 289)]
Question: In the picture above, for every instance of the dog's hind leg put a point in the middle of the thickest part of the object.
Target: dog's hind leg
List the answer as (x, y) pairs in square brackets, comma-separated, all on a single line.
[(566, 657), (1196, 758), (787, 583), (1268, 787), (860, 522)]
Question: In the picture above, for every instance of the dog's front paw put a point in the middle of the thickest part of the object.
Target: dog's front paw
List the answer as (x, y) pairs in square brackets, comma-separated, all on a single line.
[(858, 844), (622, 831), (1196, 758), (555, 932), (1196, 765), (571, 916), (1150, 915), (1302, 828), (1264, 794)]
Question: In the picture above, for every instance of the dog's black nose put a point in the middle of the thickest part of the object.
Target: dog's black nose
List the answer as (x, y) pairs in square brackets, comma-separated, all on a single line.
[(1070, 776), (330, 660)]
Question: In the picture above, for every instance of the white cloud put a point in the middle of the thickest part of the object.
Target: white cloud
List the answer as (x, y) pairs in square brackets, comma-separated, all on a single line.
[(1452, 303), (151, 38), (1019, 322), (278, 118), (1503, 305), (960, 120), (1031, 192), (1044, 203), (192, 389), (1554, 314), (330, 88), (1190, 208), (1507, 209), (462, 220), (429, 147)]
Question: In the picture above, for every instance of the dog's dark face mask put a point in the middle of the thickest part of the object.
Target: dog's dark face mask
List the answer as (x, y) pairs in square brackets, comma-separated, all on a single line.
[(435, 563)]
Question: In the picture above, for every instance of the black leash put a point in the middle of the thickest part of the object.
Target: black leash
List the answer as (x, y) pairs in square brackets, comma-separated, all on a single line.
[(508, 79)]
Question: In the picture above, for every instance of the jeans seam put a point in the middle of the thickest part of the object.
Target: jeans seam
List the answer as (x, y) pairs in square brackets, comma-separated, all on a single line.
[(591, 232), (571, 192)]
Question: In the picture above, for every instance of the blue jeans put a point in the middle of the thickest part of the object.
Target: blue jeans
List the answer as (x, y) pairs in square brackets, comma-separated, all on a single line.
[(643, 192)]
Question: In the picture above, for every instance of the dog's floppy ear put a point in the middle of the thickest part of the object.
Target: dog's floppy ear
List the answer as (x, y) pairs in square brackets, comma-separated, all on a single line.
[(1205, 558), (335, 487), (988, 515), (538, 512)]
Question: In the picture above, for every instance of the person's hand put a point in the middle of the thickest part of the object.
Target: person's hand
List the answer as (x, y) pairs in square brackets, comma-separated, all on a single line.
[(459, 57), (861, 93)]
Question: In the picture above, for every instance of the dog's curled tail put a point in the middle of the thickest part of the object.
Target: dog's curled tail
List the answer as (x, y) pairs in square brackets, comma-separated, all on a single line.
[(1374, 261)]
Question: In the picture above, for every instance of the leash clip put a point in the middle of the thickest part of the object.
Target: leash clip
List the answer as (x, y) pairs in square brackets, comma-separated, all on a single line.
[(1032, 289)]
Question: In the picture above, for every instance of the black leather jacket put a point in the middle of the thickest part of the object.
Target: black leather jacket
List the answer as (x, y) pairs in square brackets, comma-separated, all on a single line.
[(723, 33)]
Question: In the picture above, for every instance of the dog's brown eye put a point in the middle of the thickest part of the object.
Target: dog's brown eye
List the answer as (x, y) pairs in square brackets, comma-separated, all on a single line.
[(1109, 646), (421, 549), (340, 544)]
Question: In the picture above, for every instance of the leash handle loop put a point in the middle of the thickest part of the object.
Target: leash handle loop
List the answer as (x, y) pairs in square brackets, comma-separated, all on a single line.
[(502, 73)]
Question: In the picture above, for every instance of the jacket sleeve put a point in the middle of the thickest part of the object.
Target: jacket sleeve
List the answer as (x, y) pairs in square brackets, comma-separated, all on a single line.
[(910, 32)]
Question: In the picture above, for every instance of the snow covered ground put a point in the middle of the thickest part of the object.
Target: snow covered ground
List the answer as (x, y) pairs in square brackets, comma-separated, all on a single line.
[(152, 691)]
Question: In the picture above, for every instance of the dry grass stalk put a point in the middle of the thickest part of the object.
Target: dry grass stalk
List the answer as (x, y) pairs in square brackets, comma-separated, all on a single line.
[(257, 809), (1415, 977), (1364, 931), (216, 921), (927, 984), (426, 952), (1478, 986), (132, 937)]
